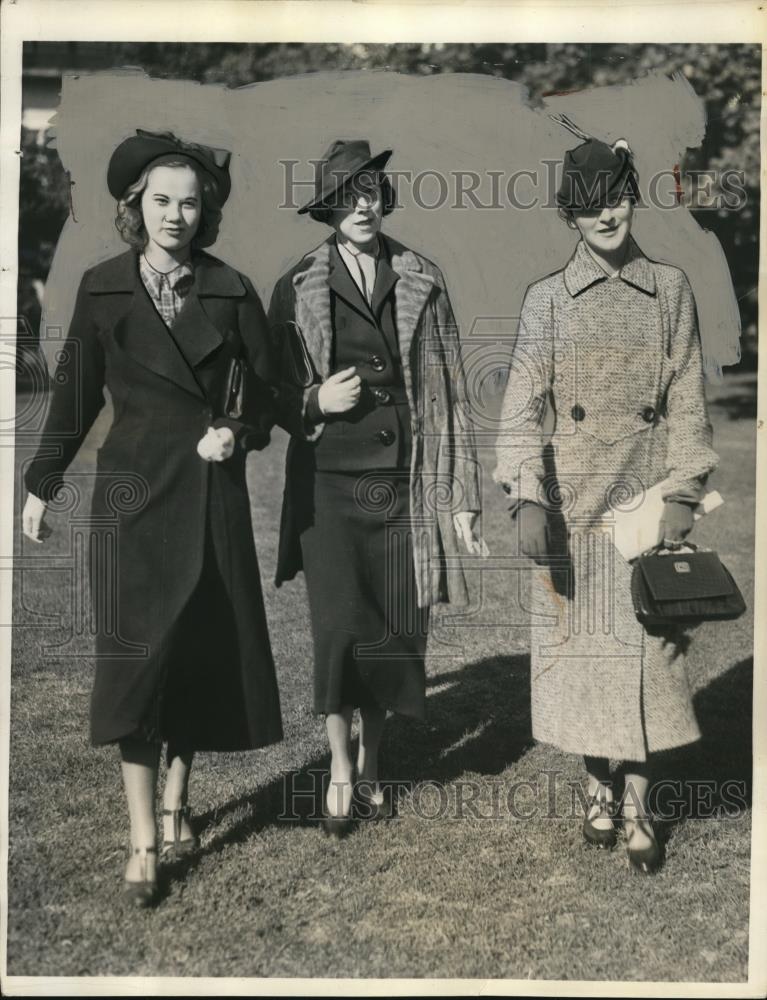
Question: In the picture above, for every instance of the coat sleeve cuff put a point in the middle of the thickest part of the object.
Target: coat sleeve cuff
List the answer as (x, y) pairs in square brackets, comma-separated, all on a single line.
[(314, 414)]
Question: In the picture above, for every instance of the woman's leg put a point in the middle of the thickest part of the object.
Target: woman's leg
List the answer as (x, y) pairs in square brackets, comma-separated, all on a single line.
[(177, 794), (339, 728), (139, 768), (635, 805), (599, 788), (372, 721)]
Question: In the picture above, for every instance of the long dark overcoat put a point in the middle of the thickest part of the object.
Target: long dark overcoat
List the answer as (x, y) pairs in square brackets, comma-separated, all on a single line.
[(175, 516)]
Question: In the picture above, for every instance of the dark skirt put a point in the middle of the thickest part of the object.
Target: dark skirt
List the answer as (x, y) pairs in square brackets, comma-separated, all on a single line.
[(369, 633)]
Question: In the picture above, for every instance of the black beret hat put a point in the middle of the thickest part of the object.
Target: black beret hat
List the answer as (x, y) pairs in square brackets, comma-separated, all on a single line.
[(141, 149), (595, 175)]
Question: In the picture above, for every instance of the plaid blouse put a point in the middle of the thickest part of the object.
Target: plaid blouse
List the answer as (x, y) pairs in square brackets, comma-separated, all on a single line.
[(167, 291)]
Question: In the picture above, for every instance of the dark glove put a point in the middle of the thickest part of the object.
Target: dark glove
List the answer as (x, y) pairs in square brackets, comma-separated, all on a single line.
[(533, 538), (677, 521)]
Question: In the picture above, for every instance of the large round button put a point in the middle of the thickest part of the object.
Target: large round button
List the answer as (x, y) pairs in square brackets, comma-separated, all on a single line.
[(383, 396), (386, 437), (577, 412), (648, 414), (377, 363)]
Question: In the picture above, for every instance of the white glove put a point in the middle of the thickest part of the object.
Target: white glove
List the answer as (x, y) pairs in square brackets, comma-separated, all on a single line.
[(32, 523), (217, 445)]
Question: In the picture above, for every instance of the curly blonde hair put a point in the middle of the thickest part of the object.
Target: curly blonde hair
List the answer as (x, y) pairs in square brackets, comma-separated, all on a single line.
[(130, 221)]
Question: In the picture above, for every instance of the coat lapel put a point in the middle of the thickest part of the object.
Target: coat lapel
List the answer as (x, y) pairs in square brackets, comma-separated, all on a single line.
[(342, 283), (411, 293), (312, 297), (386, 279), (194, 331), (141, 333), (138, 328), (312, 301)]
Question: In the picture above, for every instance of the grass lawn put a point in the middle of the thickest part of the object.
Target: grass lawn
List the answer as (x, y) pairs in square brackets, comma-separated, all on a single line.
[(479, 891)]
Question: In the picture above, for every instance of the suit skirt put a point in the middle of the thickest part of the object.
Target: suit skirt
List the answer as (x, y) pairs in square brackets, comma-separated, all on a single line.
[(369, 633)]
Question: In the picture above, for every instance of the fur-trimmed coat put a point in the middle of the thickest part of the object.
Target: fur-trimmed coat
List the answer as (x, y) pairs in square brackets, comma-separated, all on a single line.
[(444, 473)]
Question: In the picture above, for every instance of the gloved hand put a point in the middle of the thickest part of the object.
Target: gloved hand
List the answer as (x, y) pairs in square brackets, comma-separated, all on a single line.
[(676, 522), (217, 445), (533, 536)]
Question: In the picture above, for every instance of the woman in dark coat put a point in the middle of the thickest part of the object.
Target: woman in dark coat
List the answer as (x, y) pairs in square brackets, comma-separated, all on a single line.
[(381, 442), (180, 341)]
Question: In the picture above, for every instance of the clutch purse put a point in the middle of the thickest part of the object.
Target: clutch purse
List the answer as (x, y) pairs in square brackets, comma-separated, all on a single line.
[(683, 587), (234, 393), (296, 360)]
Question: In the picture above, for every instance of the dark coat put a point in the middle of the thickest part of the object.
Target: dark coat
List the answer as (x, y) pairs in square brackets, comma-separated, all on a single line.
[(444, 471), (163, 500)]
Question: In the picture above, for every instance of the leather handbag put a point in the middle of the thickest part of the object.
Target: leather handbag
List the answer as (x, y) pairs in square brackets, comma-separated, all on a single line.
[(683, 586), (234, 392), (296, 360)]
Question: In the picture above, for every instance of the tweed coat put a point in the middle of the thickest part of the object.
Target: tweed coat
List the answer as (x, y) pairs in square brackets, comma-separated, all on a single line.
[(444, 473), (605, 399), (158, 498)]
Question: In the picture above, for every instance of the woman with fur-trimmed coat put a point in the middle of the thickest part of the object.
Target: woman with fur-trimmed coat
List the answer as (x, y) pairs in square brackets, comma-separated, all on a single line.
[(381, 478)]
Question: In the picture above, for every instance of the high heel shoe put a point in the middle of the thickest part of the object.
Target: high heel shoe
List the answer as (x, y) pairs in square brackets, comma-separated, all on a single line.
[(645, 860), (604, 838), (367, 806), (178, 848), (142, 893), (337, 827)]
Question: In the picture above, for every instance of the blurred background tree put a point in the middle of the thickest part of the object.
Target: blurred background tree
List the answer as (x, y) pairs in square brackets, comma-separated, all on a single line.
[(726, 77)]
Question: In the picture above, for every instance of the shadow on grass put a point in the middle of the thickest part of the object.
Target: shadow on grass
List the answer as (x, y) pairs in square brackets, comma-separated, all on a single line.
[(716, 773), (478, 721), (712, 778)]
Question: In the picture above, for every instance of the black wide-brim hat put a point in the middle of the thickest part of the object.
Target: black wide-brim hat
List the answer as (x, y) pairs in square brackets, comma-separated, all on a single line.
[(595, 175), (344, 159), (143, 148)]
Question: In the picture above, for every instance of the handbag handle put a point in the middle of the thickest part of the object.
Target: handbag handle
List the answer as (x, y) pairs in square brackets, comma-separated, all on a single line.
[(659, 546)]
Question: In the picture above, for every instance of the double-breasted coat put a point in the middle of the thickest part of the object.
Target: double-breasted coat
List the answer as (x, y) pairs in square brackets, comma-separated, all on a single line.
[(176, 521), (605, 399), (444, 474)]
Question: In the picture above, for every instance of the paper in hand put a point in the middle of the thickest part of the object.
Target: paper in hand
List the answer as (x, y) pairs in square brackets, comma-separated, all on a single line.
[(636, 531)]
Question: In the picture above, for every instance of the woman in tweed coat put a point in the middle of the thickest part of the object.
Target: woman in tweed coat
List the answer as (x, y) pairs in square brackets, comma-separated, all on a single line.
[(605, 398)]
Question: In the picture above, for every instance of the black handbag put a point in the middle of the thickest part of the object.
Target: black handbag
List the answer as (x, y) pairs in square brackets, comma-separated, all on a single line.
[(296, 360), (683, 586), (234, 392)]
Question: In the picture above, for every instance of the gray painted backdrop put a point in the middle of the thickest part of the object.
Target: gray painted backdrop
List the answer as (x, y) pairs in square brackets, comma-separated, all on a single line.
[(443, 123)]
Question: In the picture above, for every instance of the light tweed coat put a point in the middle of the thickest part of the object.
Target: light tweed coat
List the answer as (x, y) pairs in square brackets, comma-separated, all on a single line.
[(444, 473), (626, 351)]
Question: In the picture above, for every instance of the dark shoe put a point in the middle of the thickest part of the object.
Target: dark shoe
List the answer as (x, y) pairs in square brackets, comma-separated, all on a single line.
[(143, 893), (604, 839), (366, 807), (337, 827), (178, 848), (645, 860)]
